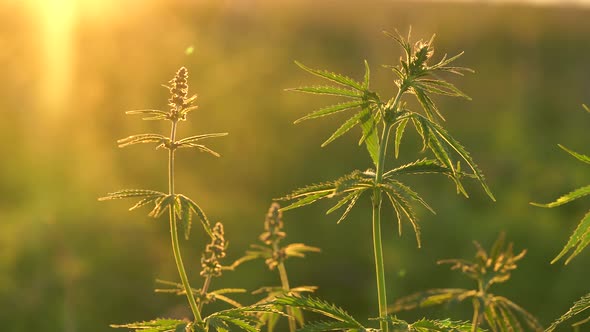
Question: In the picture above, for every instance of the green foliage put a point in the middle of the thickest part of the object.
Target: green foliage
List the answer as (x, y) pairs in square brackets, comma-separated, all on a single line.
[(581, 305), (499, 313), (343, 320), (581, 236), (157, 325), (428, 325), (577, 241), (244, 319)]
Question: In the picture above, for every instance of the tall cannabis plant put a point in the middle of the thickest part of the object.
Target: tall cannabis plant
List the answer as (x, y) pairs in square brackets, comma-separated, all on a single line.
[(180, 212), (418, 75), (499, 313), (578, 240)]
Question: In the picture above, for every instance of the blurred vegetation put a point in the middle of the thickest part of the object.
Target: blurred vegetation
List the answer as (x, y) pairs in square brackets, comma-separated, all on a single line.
[(68, 263)]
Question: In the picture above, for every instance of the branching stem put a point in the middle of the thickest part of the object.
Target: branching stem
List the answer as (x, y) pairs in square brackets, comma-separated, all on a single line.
[(174, 231)]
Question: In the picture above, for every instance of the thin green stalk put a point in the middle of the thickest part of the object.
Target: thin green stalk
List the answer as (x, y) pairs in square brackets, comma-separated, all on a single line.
[(286, 288), (174, 231), (204, 290), (377, 242)]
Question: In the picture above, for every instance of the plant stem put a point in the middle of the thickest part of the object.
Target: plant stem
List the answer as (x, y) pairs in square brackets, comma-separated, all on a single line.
[(174, 230), (377, 242), (379, 267), (286, 288), (204, 290)]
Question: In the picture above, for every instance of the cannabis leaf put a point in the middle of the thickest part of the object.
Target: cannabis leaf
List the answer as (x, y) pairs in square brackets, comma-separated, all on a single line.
[(577, 241), (362, 97), (428, 325), (343, 320), (581, 305), (157, 325), (581, 236), (244, 318)]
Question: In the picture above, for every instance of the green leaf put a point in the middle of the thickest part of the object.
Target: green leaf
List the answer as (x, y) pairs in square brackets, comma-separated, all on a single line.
[(420, 166), (243, 318), (579, 156), (152, 114), (184, 214), (460, 150), (156, 325), (196, 138), (514, 315), (194, 207), (162, 204), (370, 134), (321, 326), (200, 147), (399, 203), (351, 205), (143, 138), (580, 192), (445, 325), (393, 184), (329, 90), (332, 109), (431, 297), (148, 196), (341, 202), (336, 78), (403, 42), (578, 307), (578, 240), (131, 193), (427, 104), (298, 250), (367, 76), (312, 198), (321, 307), (345, 127), (586, 108), (441, 87), (399, 132)]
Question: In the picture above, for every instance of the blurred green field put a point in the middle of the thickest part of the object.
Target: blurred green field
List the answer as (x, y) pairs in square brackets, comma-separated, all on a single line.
[(69, 263)]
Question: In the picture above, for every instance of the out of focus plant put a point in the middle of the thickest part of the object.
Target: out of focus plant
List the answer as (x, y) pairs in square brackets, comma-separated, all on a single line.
[(499, 313), (418, 75), (180, 212), (274, 256), (577, 242)]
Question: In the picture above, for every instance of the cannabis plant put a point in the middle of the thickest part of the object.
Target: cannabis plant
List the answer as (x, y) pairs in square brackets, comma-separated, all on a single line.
[(180, 212), (274, 256), (578, 240), (499, 313), (418, 75)]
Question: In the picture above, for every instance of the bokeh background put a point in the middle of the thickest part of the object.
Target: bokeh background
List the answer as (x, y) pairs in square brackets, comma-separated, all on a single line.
[(71, 68)]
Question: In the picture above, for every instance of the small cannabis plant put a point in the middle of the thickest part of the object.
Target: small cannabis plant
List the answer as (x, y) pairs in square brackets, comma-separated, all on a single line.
[(180, 211), (274, 256), (499, 313), (417, 74), (578, 240)]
